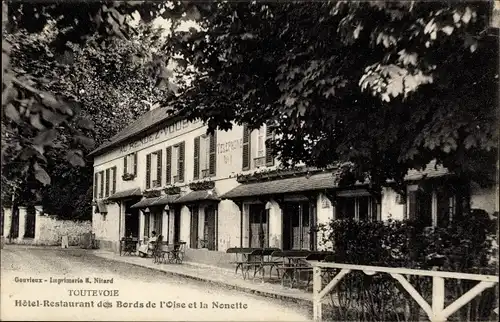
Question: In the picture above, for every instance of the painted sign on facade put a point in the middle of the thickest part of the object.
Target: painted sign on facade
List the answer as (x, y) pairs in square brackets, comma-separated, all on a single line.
[(159, 136)]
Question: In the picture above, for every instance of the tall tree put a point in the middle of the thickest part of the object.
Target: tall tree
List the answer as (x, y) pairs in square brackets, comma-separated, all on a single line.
[(113, 83), (380, 87)]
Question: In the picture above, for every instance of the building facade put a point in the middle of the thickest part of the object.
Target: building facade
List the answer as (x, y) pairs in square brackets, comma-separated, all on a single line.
[(226, 189)]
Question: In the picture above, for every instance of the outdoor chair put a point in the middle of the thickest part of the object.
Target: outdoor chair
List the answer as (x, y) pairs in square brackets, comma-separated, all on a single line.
[(174, 253)]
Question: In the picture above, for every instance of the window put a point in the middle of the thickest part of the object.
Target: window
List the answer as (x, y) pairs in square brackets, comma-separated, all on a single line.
[(256, 153), (107, 181), (356, 208), (154, 169), (130, 164), (175, 163), (104, 183), (431, 206), (205, 156)]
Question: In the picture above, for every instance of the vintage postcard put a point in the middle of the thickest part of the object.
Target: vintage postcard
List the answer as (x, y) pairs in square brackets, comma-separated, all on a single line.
[(250, 160)]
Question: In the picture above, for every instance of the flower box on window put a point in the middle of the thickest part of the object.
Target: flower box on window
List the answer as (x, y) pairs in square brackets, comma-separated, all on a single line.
[(172, 190), (259, 162), (128, 176), (152, 193), (202, 185)]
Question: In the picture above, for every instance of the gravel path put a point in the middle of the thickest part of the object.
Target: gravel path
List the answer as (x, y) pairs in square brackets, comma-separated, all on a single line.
[(175, 299)]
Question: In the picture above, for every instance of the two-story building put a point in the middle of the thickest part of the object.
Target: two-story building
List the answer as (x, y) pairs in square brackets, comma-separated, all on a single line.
[(165, 174)]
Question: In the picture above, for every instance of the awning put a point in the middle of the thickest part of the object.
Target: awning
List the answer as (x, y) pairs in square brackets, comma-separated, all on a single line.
[(136, 192), (145, 202), (101, 206), (200, 195), (319, 181), (156, 201)]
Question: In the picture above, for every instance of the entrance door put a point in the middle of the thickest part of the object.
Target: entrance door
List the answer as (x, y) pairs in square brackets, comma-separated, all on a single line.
[(193, 243), (30, 222), (14, 228), (131, 220), (209, 228), (259, 233), (177, 224), (296, 226)]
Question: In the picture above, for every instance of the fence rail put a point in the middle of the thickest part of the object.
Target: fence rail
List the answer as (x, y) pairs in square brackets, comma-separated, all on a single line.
[(435, 311)]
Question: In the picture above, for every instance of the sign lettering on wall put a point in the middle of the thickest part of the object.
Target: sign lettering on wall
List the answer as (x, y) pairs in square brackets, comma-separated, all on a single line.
[(157, 136), (226, 149), (230, 146)]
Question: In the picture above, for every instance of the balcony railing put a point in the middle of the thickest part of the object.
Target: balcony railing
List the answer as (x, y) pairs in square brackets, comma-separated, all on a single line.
[(259, 162)]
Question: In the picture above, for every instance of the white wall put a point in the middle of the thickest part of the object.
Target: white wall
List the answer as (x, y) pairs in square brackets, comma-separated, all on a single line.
[(391, 208), (484, 198), (49, 230)]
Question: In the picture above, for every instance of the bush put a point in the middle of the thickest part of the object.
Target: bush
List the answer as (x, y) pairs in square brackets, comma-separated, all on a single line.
[(467, 245)]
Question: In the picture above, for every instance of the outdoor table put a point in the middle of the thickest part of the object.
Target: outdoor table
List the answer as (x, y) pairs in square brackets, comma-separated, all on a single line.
[(128, 245), (294, 261), (247, 257)]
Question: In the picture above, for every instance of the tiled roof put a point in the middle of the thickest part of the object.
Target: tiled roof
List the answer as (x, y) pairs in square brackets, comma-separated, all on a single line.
[(296, 184), (199, 195), (136, 192), (430, 171), (144, 122)]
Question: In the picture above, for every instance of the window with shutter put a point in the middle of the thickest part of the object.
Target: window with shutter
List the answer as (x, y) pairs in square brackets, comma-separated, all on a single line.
[(168, 165), (96, 183), (246, 148), (148, 171), (180, 166), (125, 169), (159, 167), (113, 190), (269, 151), (101, 190), (212, 154), (107, 182), (196, 172), (135, 163)]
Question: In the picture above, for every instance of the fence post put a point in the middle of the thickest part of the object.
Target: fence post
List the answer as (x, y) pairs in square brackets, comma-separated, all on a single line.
[(438, 294), (7, 221), (317, 314), (38, 214), (22, 223)]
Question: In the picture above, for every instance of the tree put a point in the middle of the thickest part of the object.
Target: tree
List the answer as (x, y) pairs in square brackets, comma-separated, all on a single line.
[(33, 118), (113, 84), (380, 87)]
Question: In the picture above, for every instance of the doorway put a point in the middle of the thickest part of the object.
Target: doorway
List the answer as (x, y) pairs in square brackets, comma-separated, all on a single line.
[(131, 220), (30, 222), (177, 225), (193, 243), (209, 228), (259, 228), (297, 225)]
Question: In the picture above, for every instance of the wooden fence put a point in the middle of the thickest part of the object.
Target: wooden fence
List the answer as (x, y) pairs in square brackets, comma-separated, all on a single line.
[(435, 311)]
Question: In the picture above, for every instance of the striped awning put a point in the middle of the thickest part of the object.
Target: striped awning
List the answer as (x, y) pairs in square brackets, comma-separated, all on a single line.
[(136, 192), (156, 201), (197, 196), (101, 206)]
